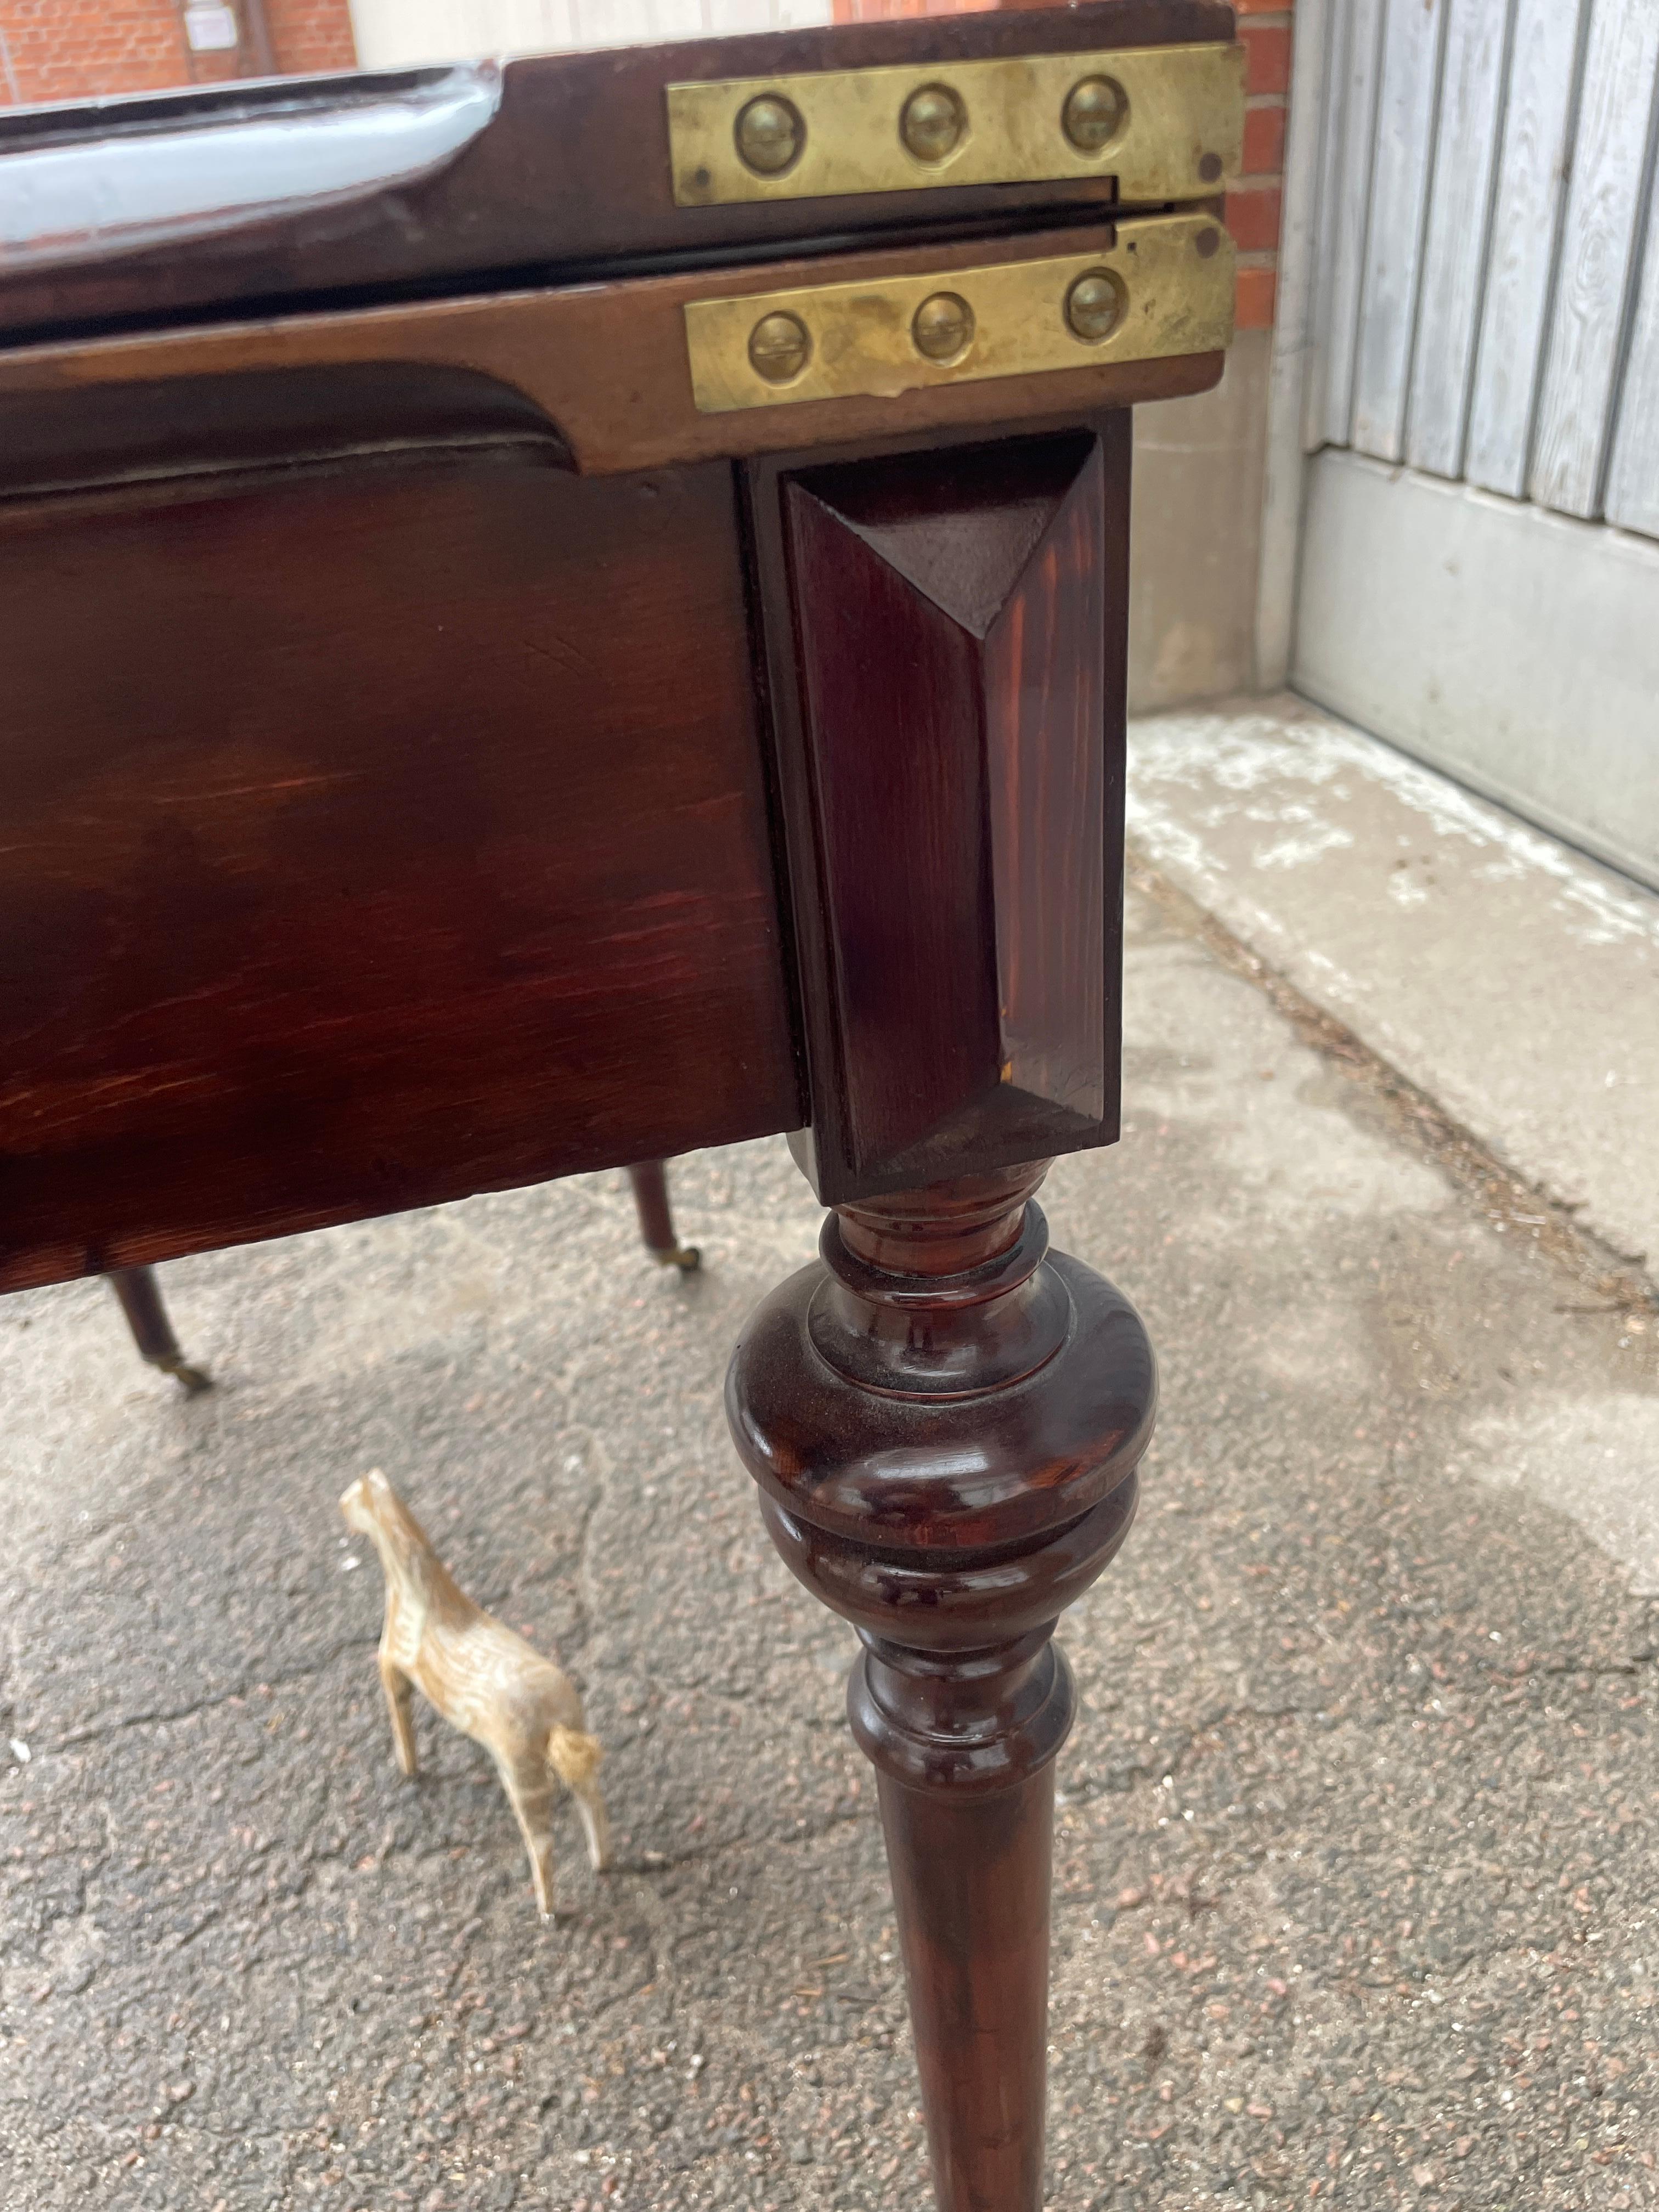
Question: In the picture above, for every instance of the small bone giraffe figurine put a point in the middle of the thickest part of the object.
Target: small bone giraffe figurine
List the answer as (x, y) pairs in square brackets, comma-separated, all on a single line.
[(481, 1678)]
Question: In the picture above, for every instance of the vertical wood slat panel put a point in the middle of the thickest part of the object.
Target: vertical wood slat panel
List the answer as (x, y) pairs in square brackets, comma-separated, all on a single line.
[(1594, 271), (1352, 200), (1394, 239), (1633, 476), (1460, 219), (1314, 392), (1531, 171)]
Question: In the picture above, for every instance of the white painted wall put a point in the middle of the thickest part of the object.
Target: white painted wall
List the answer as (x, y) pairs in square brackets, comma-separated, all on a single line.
[(1516, 648), (401, 33)]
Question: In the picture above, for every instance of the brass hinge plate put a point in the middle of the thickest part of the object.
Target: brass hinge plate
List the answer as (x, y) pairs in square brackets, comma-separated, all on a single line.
[(1164, 287), (1167, 123)]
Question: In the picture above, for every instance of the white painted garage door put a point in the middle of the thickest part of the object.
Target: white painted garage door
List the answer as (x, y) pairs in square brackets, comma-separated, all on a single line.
[(399, 34), (1479, 576)]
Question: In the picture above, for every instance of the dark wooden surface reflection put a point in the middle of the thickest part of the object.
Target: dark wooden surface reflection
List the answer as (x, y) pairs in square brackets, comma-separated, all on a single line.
[(370, 839), (946, 643)]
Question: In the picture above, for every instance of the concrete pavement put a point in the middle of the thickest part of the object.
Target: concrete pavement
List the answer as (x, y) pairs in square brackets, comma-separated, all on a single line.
[(1356, 1868), (1514, 980)]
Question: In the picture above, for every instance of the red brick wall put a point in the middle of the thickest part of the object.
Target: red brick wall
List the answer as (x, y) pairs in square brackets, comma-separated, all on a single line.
[(310, 35), (58, 48), (70, 49), (1253, 208)]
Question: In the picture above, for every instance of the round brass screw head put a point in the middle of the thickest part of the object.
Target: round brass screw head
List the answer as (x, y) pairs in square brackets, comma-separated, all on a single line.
[(778, 348), (1094, 305), (1095, 112), (770, 135), (942, 326), (933, 122)]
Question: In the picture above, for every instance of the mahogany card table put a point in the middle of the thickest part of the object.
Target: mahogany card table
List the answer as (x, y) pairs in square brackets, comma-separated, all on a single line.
[(554, 615)]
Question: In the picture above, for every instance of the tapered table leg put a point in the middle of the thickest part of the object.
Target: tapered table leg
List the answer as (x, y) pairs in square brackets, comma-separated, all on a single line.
[(140, 1297), (970, 1884), (944, 1420), (657, 1220)]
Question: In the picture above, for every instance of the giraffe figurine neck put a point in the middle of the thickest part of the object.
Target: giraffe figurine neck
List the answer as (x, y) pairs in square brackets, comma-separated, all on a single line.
[(412, 1569)]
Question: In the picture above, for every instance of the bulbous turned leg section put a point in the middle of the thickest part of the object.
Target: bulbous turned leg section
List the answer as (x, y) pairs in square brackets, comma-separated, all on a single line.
[(944, 1420), (650, 1182)]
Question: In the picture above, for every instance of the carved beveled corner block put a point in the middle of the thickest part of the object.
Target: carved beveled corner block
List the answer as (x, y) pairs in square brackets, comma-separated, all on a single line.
[(950, 709)]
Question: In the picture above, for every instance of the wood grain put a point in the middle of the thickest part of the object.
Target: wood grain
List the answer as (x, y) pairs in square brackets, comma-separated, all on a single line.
[(369, 840), (572, 179), (1531, 171), (1404, 141), (946, 641), (1632, 500), (599, 372), (1596, 267), (1517, 147), (1343, 248), (1458, 232)]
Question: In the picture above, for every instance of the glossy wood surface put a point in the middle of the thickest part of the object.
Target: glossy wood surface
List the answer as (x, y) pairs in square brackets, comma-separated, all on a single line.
[(946, 638), (945, 1421), (370, 838), (970, 1888), (572, 178)]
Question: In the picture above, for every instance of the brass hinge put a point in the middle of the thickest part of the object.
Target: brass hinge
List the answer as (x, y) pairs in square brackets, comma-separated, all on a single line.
[(1166, 123), (1164, 286)]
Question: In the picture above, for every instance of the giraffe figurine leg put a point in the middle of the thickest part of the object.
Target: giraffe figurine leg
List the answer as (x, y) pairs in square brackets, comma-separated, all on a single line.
[(596, 1822), (532, 1792), (400, 1705)]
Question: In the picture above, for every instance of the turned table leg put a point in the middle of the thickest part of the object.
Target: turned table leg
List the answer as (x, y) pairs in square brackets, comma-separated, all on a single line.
[(657, 1220), (140, 1297), (944, 1417), (970, 1885), (944, 1420)]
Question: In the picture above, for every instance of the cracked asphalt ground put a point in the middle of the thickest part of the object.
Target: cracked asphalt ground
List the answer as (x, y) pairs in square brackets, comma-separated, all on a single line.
[(1356, 1868)]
